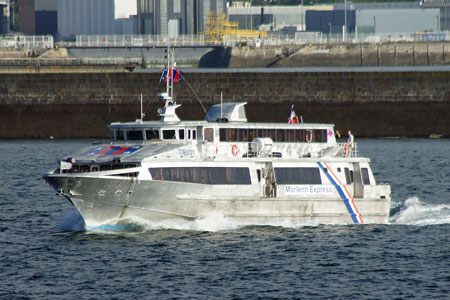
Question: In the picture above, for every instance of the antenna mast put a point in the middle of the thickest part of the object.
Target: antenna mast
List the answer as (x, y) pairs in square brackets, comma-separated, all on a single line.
[(170, 68), (142, 112)]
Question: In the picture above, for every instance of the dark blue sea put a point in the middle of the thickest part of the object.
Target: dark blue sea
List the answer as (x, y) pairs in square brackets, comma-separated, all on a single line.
[(46, 253)]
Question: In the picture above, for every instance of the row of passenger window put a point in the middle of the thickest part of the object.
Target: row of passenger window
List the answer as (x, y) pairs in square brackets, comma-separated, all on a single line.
[(298, 176), (204, 175), (104, 167), (152, 134), (277, 135), (312, 175)]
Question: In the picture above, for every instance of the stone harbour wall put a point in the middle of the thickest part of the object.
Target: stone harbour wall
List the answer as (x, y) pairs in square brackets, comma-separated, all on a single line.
[(371, 103)]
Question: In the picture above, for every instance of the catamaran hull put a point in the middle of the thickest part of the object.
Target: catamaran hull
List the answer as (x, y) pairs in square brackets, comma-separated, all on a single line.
[(103, 200)]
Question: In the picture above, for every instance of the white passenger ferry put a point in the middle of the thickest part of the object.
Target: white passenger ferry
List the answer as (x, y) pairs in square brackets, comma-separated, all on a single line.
[(252, 172)]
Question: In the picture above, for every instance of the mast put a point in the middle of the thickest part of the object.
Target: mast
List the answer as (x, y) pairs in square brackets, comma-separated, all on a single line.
[(170, 69), (167, 113)]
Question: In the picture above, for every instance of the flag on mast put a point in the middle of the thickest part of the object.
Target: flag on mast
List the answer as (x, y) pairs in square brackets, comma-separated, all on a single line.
[(292, 116), (172, 75)]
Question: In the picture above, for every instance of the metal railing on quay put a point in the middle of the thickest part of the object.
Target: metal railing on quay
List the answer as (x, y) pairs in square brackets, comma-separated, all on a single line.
[(274, 39), (70, 61), (27, 42), (138, 40)]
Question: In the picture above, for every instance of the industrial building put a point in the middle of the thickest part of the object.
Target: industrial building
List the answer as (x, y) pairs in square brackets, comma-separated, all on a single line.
[(89, 17), (46, 17), (176, 17), (393, 17), (373, 18), (276, 17), (4, 16), (332, 21), (444, 12), (38, 17)]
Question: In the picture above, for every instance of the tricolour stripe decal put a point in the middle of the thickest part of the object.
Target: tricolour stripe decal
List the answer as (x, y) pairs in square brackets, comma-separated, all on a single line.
[(343, 192), (114, 150)]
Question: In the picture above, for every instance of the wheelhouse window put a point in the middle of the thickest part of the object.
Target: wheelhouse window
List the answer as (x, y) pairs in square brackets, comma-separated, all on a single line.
[(298, 176), (119, 135), (169, 134), (135, 135), (203, 175), (181, 134), (209, 134), (152, 134)]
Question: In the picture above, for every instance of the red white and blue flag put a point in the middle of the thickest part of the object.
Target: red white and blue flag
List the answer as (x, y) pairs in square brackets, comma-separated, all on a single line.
[(292, 117), (172, 75)]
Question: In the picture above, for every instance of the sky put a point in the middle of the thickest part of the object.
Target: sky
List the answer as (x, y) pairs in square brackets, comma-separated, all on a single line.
[(124, 8)]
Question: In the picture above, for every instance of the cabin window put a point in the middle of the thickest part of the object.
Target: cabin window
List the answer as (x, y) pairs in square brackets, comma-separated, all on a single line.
[(280, 135), (262, 133), (203, 175), (169, 134), (135, 135), (309, 135), (290, 135), (224, 134), (320, 135), (209, 134), (119, 135), (251, 134), (243, 135), (300, 135), (94, 169), (271, 134), (194, 134), (298, 176), (181, 134), (105, 167), (233, 135), (348, 176), (365, 176), (117, 167), (75, 169), (152, 134)]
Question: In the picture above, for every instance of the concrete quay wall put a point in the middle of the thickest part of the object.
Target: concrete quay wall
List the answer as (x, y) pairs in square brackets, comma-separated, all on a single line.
[(371, 103)]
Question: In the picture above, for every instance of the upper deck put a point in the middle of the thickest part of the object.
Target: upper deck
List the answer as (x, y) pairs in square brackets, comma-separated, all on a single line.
[(223, 123)]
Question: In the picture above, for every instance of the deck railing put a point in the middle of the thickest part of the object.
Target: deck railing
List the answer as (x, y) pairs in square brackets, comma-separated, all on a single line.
[(347, 150)]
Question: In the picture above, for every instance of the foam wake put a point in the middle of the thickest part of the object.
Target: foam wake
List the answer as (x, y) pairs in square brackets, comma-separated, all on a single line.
[(416, 212), (212, 222)]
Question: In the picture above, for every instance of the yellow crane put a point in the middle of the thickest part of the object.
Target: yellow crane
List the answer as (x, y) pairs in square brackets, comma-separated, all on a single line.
[(219, 26)]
